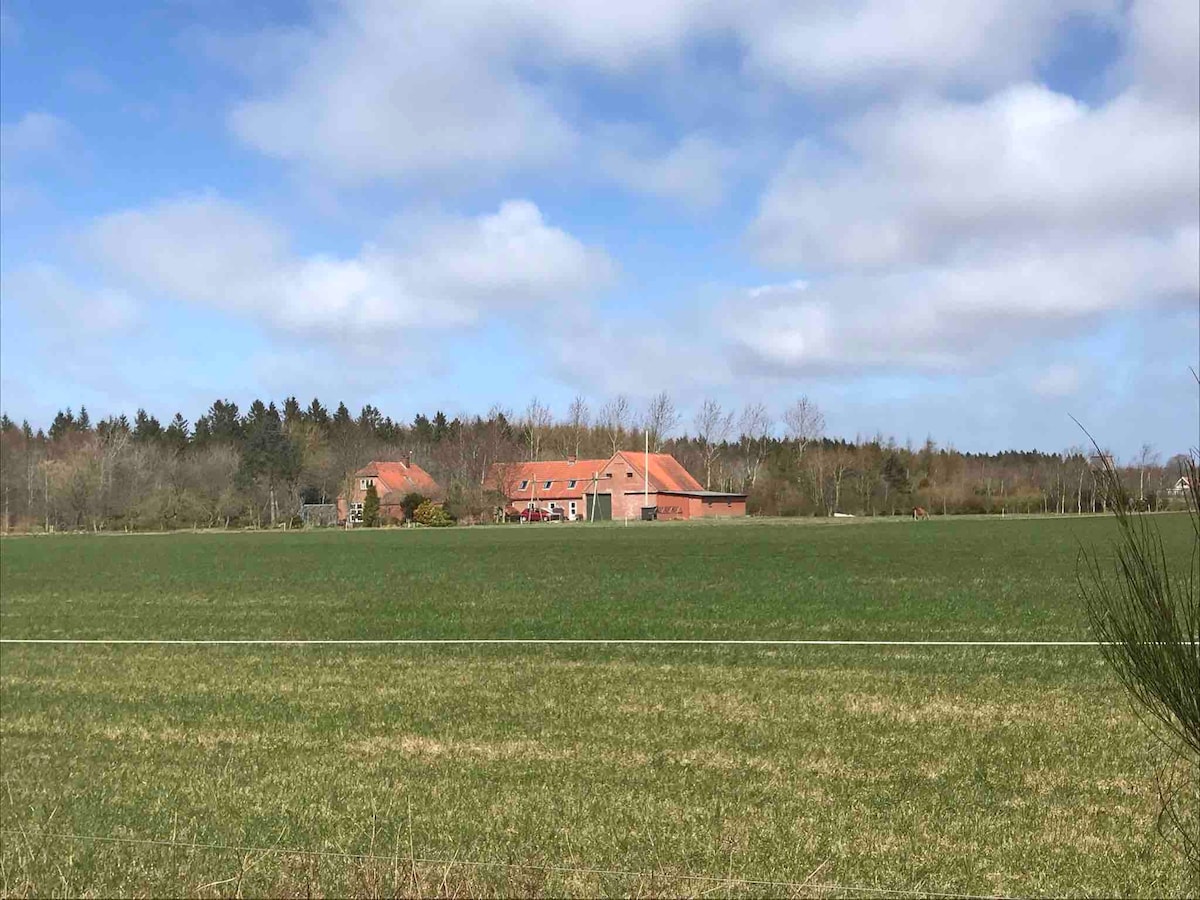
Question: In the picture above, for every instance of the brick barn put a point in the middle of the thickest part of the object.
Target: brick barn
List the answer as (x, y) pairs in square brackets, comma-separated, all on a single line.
[(613, 488), (393, 482)]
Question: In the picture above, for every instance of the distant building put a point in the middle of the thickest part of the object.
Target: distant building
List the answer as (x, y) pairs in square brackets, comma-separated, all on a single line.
[(318, 514), (1180, 488), (614, 488), (393, 482)]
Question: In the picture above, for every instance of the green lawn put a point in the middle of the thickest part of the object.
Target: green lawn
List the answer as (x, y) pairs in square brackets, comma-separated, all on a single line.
[(939, 769)]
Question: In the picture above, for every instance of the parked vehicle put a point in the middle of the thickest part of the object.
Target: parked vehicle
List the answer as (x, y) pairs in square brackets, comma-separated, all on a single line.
[(541, 515)]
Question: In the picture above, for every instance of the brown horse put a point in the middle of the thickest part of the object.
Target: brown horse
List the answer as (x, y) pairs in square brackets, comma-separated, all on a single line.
[(919, 512)]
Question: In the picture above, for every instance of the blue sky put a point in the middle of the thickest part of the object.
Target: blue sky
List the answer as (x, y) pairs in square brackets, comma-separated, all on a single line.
[(969, 222)]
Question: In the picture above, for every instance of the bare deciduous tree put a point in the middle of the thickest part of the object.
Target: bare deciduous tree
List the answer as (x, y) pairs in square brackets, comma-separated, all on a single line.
[(755, 426), (805, 422), (614, 419), (538, 419), (713, 425), (578, 420), (660, 420)]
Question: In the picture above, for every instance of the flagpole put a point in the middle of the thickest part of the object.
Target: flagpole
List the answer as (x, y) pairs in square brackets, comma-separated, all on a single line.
[(646, 474)]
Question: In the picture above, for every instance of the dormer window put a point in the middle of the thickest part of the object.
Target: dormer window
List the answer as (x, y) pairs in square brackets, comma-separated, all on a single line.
[(524, 484)]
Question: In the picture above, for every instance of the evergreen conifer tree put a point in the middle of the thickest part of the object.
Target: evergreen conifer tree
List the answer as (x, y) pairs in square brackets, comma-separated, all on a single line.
[(371, 507)]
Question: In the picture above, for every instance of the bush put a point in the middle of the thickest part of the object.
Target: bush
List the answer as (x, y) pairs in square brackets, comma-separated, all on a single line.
[(411, 503), (1147, 619), (431, 515)]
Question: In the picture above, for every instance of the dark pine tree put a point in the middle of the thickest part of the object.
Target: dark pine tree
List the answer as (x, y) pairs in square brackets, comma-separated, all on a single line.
[(224, 422), (440, 426), (317, 414), (291, 411), (341, 418), (371, 507), (146, 428), (176, 436)]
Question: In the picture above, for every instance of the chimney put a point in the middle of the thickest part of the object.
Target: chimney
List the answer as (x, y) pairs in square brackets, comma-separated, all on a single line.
[(408, 460), (572, 459)]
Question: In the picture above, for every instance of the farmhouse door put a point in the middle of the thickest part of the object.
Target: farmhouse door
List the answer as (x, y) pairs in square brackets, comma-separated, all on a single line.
[(603, 505)]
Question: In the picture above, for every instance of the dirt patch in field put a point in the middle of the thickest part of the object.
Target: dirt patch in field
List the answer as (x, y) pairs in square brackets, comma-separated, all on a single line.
[(942, 710), (423, 746)]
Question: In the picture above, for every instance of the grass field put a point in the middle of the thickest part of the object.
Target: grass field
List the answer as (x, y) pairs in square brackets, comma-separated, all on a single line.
[(468, 770)]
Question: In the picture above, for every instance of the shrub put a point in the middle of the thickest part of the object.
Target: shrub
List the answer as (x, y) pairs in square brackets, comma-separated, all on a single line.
[(1148, 623), (411, 503), (432, 515)]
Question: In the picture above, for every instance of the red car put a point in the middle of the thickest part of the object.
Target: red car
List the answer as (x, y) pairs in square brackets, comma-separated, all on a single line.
[(541, 515)]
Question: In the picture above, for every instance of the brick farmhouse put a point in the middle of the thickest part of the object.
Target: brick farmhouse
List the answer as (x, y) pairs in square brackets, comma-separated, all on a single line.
[(614, 488), (393, 482)]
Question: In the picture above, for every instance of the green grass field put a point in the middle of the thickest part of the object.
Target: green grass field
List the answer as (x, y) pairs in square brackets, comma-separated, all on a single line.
[(567, 769)]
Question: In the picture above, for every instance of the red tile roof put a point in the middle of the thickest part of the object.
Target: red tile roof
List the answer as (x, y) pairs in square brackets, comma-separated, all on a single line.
[(666, 473), (507, 477), (400, 477)]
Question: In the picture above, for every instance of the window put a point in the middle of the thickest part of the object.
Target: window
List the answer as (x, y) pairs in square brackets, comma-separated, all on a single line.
[(608, 474), (572, 483), (356, 510), (524, 484), (628, 474), (571, 507), (552, 504), (367, 482), (546, 486)]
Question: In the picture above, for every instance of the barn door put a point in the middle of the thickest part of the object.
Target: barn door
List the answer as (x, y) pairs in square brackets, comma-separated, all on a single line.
[(603, 506)]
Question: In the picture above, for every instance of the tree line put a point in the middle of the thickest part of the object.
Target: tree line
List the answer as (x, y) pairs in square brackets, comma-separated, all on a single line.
[(255, 468)]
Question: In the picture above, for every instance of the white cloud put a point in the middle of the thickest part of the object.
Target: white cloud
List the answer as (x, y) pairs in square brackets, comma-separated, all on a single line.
[(917, 182), (35, 137), (1058, 380), (905, 43), (942, 235), (1165, 50), (63, 305), (385, 92), (695, 171), (965, 314), (372, 90), (214, 253)]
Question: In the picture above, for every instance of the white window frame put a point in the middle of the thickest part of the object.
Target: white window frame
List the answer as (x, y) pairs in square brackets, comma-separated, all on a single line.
[(571, 484), (356, 512), (524, 485), (546, 485)]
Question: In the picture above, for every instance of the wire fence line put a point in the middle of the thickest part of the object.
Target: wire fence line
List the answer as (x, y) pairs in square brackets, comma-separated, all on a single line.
[(807, 884), (300, 642)]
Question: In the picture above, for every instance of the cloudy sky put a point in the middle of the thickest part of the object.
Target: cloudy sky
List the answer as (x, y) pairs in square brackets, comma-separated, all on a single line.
[(965, 220)]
